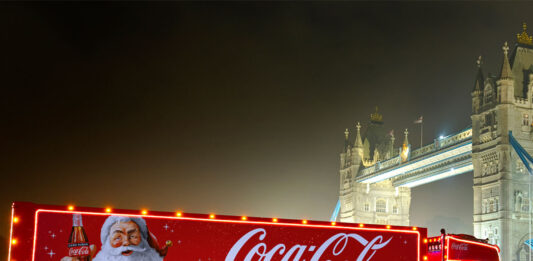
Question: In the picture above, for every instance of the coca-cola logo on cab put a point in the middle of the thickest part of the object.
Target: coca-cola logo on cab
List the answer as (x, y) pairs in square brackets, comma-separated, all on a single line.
[(339, 243), (460, 247)]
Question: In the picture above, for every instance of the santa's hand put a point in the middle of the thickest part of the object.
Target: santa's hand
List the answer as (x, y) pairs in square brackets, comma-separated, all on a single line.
[(92, 250)]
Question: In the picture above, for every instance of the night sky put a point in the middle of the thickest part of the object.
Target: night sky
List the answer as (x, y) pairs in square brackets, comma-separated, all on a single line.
[(232, 108)]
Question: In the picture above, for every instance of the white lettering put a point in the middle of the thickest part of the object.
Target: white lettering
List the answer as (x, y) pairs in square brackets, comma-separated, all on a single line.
[(341, 241)]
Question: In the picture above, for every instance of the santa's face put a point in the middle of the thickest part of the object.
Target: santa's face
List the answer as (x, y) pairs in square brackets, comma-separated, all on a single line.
[(125, 243), (125, 234)]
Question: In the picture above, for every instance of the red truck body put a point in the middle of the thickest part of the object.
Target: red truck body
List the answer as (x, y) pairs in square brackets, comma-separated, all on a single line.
[(45, 232)]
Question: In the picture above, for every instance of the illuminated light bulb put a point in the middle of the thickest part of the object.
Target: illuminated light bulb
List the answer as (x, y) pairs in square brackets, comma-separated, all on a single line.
[(15, 219), (274, 220), (445, 247), (179, 214), (333, 223), (361, 225), (425, 240), (108, 210), (70, 207), (304, 221), (144, 211), (445, 256), (212, 216), (425, 258), (244, 218), (415, 228), (14, 241), (388, 226)]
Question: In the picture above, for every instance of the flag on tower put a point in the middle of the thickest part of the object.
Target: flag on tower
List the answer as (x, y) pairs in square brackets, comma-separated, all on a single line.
[(419, 121)]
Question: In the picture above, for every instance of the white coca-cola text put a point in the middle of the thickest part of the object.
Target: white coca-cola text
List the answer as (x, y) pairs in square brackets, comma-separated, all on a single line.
[(338, 241), (78, 251)]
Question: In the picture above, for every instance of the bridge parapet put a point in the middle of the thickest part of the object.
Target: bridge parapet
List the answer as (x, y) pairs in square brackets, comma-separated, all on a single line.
[(452, 152), (442, 143)]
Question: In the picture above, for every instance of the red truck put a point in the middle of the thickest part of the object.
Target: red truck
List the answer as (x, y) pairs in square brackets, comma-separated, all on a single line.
[(45, 232)]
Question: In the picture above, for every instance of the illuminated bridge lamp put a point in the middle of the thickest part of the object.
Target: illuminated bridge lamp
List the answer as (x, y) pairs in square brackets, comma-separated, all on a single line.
[(211, 216), (244, 218), (70, 207), (274, 220)]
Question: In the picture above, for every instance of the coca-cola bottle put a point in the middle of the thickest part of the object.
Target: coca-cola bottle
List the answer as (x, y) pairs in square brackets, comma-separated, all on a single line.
[(78, 244)]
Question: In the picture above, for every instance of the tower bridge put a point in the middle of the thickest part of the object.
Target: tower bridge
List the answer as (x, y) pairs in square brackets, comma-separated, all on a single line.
[(376, 176)]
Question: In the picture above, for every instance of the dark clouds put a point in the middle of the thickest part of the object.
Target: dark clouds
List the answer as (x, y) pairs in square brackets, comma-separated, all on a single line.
[(235, 108)]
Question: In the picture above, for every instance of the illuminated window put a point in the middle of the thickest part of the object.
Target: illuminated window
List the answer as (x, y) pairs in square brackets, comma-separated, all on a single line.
[(525, 120), (381, 206)]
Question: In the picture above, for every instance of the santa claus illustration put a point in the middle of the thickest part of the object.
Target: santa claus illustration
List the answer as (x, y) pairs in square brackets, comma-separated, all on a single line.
[(126, 238)]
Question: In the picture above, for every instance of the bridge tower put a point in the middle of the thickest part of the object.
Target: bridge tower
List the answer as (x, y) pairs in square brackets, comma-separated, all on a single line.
[(501, 104), (377, 203)]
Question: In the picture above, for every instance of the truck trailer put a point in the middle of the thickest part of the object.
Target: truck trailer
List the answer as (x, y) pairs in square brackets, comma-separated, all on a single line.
[(72, 233)]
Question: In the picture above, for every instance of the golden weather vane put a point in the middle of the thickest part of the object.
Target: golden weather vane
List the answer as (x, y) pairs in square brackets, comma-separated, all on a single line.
[(524, 38)]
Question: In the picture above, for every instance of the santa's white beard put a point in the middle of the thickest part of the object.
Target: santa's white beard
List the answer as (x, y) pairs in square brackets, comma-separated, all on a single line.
[(142, 252)]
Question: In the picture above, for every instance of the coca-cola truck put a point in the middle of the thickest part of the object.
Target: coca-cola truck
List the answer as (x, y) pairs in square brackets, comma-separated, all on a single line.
[(45, 232)]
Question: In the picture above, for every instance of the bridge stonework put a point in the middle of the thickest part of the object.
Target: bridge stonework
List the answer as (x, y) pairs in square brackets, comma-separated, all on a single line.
[(376, 178)]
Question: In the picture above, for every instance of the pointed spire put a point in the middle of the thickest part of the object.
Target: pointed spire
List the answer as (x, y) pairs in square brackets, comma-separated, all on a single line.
[(376, 117), (358, 141), (479, 77), (506, 67), (346, 136), (391, 148), (405, 141)]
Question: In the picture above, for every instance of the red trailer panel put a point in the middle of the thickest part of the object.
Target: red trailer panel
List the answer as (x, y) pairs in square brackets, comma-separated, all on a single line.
[(43, 232)]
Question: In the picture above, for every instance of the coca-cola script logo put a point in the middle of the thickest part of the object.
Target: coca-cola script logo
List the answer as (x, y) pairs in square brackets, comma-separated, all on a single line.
[(339, 240), (78, 251), (460, 247)]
